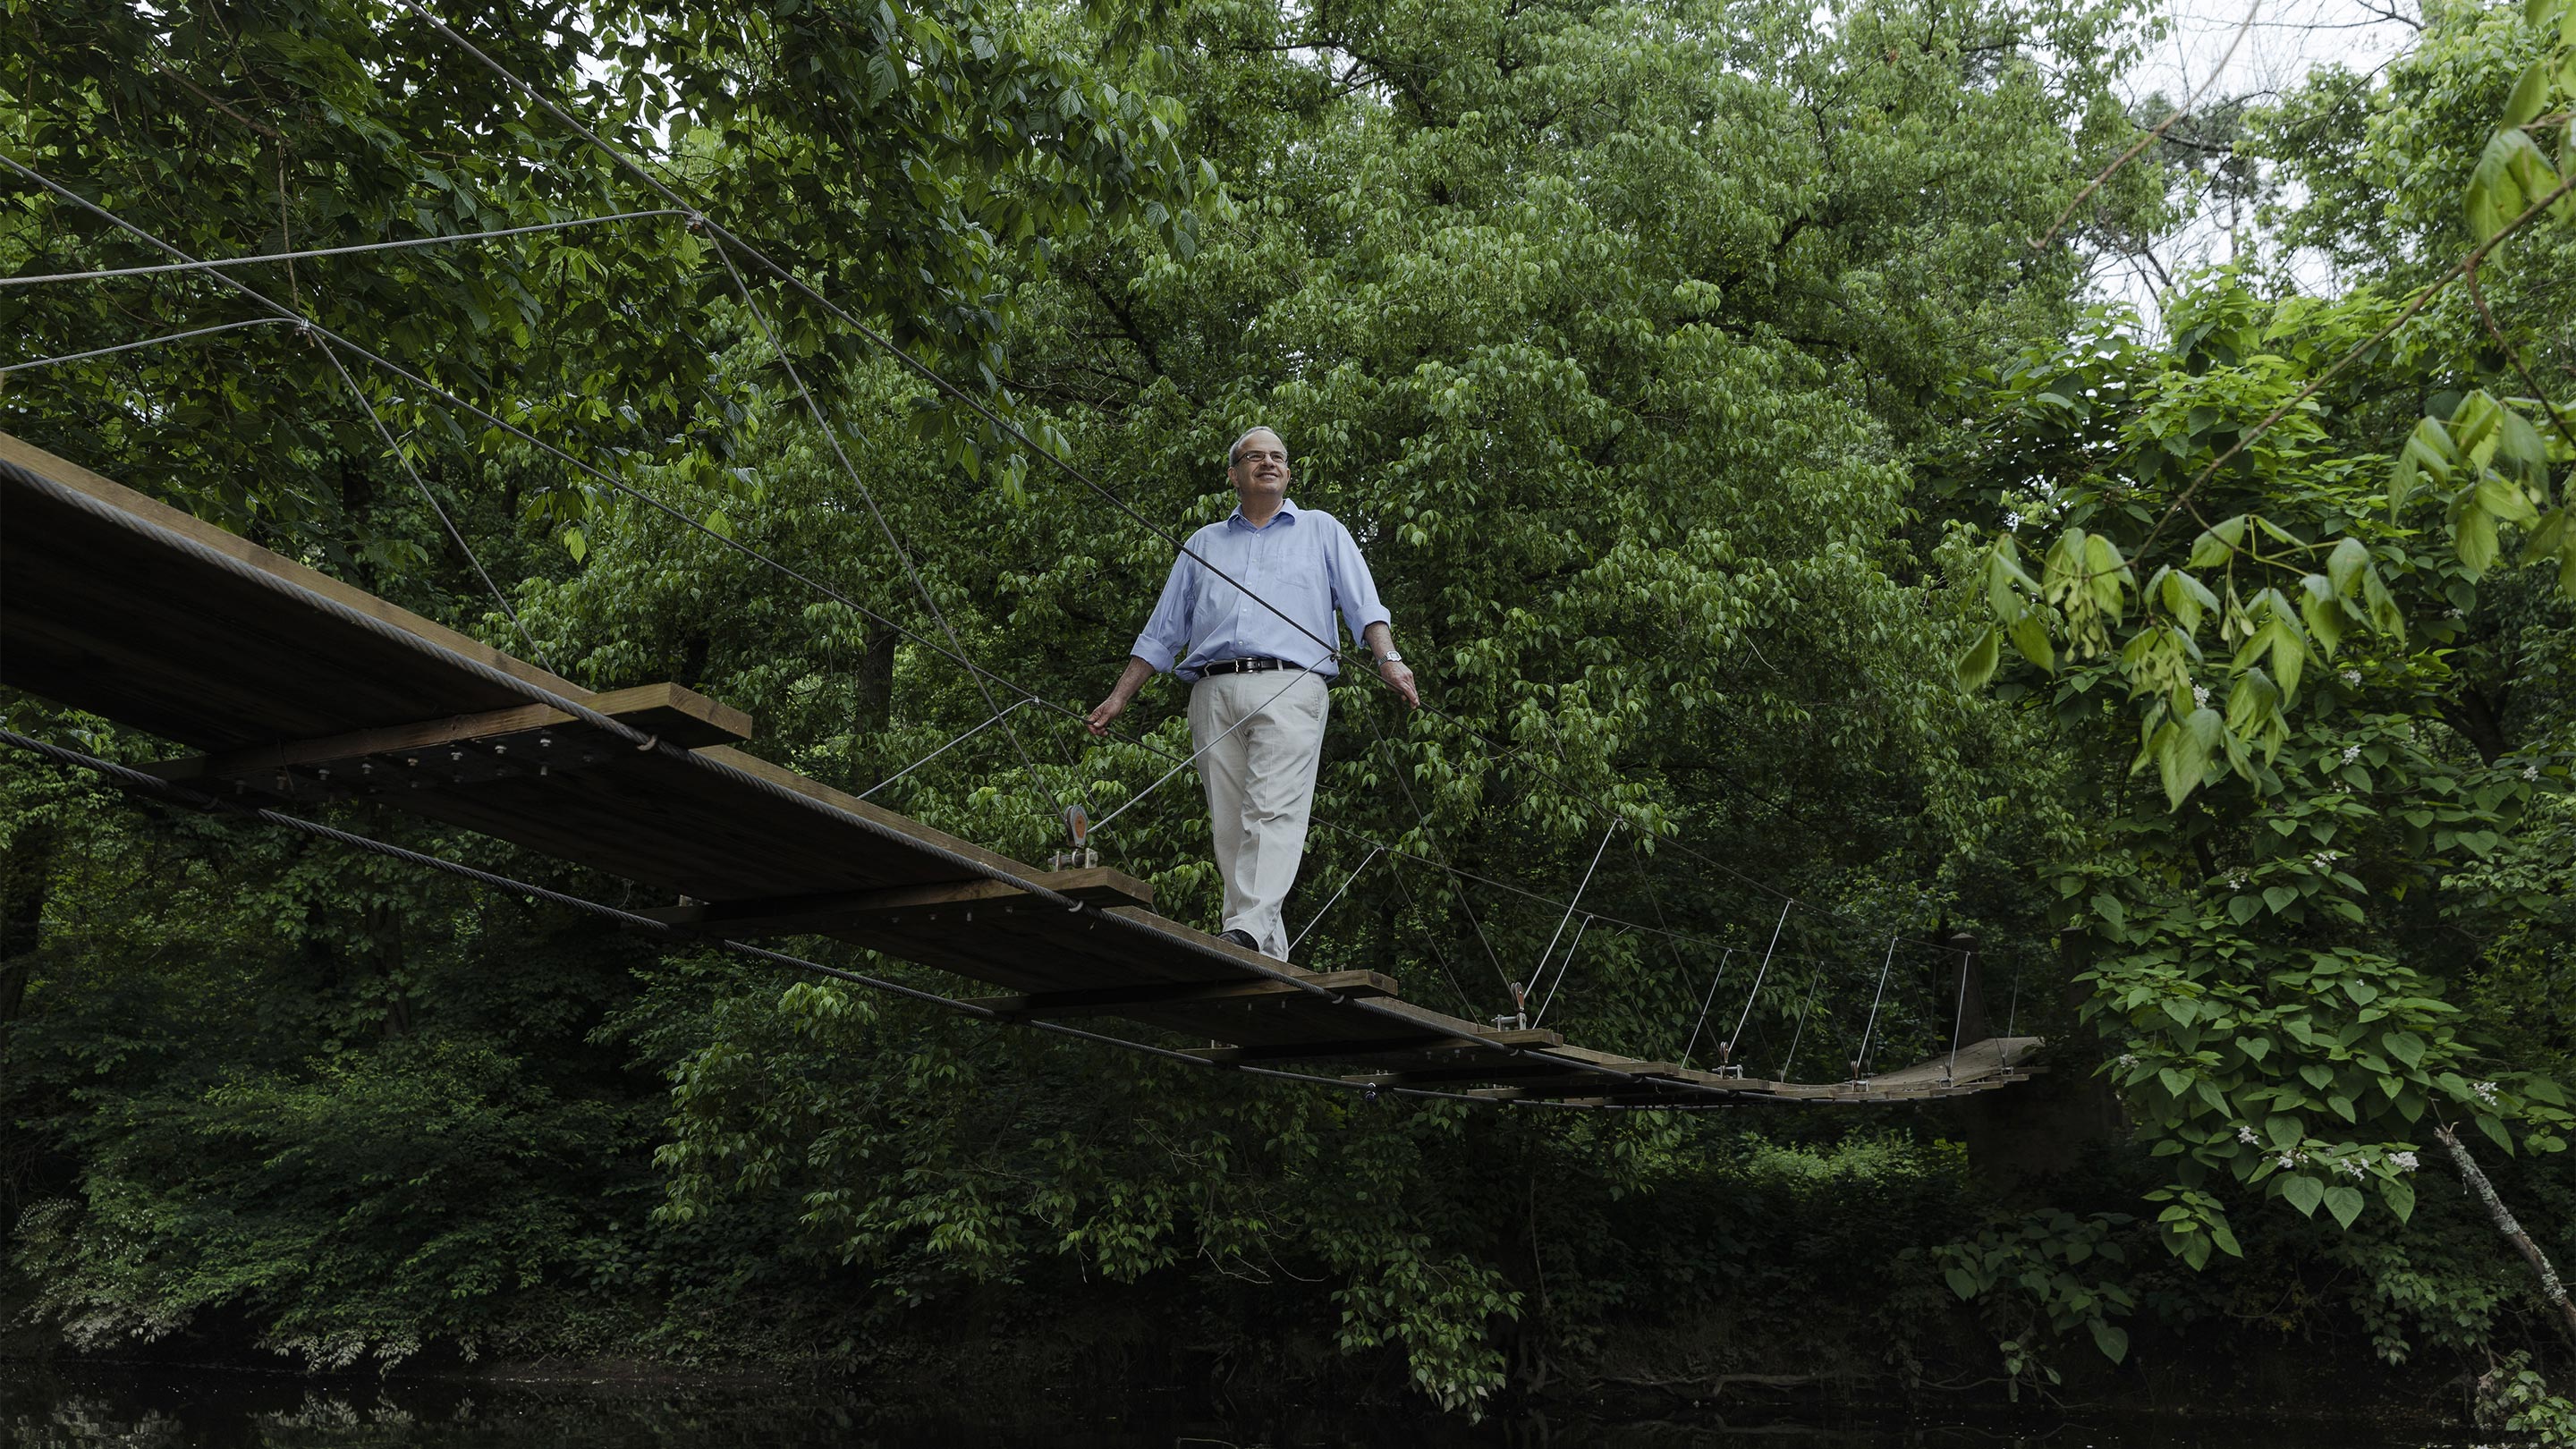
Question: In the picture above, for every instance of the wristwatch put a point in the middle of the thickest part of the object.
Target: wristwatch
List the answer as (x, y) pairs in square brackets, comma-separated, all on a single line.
[(1390, 657)]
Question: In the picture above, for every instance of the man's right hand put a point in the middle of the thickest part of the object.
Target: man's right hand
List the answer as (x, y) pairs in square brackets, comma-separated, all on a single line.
[(1105, 711)]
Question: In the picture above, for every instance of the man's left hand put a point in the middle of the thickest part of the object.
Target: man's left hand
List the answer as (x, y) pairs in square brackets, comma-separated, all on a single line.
[(1399, 677)]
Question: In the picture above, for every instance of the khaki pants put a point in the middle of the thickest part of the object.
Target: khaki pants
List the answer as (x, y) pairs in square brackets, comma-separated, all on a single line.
[(1260, 781)]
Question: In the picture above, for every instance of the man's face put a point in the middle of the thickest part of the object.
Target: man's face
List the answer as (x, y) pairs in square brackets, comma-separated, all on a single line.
[(1260, 468)]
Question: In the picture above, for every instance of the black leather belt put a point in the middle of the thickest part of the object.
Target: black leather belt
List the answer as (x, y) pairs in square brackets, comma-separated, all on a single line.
[(1247, 666)]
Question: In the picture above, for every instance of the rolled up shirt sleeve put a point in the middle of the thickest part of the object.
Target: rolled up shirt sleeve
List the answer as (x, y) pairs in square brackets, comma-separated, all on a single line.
[(1167, 629), (1354, 591)]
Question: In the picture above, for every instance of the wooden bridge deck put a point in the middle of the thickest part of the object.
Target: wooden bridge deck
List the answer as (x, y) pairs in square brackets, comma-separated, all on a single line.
[(115, 604)]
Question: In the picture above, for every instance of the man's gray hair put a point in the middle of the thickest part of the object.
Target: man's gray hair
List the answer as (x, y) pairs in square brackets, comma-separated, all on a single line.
[(1234, 455)]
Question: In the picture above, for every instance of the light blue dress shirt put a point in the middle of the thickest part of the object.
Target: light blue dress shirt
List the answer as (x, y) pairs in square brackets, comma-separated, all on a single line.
[(1303, 562)]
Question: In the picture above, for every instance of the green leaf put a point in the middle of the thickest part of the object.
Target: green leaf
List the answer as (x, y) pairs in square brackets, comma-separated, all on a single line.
[(2112, 1339), (2303, 1193), (2529, 94), (2475, 541), (2505, 501), (2279, 898), (2494, 1128), (576, 543), (2241, 909), (2217, 542), (2345, 1202), (2323, 611), (1977, 666), (2345, 563), (2405, 1046), (2400, 1198), (2030, 636), (1962, 1282)]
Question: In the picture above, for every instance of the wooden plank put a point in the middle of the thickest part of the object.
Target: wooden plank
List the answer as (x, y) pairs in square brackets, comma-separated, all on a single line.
[(73, 476), (815, 914), (1630, 1065), (1425, 1042), (1118, 1000), (668, 711)]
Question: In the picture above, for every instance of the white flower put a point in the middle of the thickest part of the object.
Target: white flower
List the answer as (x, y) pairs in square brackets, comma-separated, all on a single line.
[(2289, 1160), (2128, 1059), (2200, 695), (2246, 1136), (2325, 859), (2486, 1092), (2348, 1167), (2236, 880), (2351, 753), (2352, 677), (2402, 1161), (2531, 772)]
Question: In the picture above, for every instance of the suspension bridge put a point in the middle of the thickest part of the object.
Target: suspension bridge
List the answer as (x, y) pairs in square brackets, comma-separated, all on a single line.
[(296, 690)]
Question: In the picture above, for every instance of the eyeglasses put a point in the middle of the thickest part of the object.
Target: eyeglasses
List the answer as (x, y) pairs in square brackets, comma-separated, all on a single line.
[(1255, 455)]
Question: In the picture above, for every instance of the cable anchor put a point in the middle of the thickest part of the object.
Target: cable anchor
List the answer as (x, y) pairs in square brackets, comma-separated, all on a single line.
[(1077, 828)]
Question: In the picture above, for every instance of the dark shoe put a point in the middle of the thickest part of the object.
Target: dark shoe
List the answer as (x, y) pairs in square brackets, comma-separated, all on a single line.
[(1239, 937)]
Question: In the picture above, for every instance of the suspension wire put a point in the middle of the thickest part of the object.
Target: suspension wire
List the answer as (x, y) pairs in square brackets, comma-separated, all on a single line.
[(297, 256), (1704, 1005), (1726, 1053), (1428, 939), (550, 449), (1395, 762), (1551, 902), (403, 460), (1562, 967), (1959, 1022), (953, 743), (146, 342), (1860, 1063), (948, 389), (2012, 1014), (902, 555), (1814, 984), (1541, 970), (1655, 898), (1336, 898)]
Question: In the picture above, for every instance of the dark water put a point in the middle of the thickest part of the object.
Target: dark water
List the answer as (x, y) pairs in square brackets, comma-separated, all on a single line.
[(88, 1408)]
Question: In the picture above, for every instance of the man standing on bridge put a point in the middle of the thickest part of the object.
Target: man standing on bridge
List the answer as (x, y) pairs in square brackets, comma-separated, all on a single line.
[(1247, 618)]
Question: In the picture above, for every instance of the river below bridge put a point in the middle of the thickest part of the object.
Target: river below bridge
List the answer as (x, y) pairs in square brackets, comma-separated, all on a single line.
[(97, 1407)]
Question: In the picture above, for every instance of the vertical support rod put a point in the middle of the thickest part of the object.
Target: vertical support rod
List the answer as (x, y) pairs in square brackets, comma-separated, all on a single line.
[(1860, 1064), (1713, 983), (1726, 1054)]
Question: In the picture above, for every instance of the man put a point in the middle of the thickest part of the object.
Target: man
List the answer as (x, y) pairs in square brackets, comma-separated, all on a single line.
[(1257, 678)]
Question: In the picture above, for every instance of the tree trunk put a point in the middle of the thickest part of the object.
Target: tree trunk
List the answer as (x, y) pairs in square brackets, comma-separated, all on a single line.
[(26, 879), (2550, 1287), (873, 684)]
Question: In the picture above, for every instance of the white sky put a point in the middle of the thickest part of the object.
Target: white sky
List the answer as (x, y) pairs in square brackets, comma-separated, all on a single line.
[(2286, 40)]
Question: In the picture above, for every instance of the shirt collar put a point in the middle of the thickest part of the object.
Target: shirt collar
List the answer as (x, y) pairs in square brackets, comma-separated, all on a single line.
[(1287, 514)]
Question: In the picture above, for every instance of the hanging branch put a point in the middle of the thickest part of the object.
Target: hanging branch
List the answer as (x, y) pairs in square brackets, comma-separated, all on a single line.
[(2550, 1287)]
